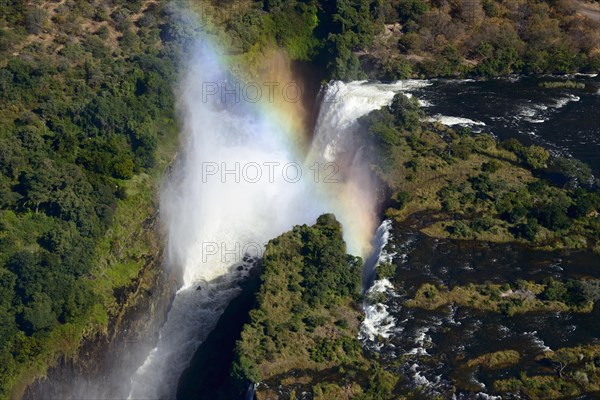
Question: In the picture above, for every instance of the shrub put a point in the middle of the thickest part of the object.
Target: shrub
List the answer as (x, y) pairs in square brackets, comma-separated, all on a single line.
[(313, 322), (38, 314), (590, 289), (400, 199), (406, 112), (35, 20), (342, 323), (491, 166), (395, 69), (482, 224), (535, 157), (410, 9), (323, 351), (574, 171), (517, 212), (95, 45), (554, 291), (386, 270), (243, 370), (411, 41), (584, 203), (512, 145), (527, 230), (459, 229), (381, 384), (462, 150), (553, 216)]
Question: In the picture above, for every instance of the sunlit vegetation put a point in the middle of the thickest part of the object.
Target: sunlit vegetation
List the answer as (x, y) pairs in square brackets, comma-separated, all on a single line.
[(521, 297), (496, 360), (562, 85), (574, 371), (484, 38), (303, 329), (86, 126), (329, 34), (395, 39), (479, 188), (318, 280)]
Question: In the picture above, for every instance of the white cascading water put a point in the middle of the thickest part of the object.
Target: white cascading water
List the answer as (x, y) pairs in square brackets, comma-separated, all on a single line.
[(211, 218), (343, 104), (378, 254), (378, 322), (337, 140)]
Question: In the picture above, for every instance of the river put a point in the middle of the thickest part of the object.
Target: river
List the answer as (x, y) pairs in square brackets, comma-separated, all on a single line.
[(435, 345), (566, 121), (231, 215)]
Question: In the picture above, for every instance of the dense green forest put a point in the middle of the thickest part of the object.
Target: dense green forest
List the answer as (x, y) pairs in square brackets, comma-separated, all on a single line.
[(86, 98)]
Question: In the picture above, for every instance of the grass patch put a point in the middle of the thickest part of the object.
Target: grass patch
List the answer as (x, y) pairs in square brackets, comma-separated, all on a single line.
[(574, 371), (495, 298), (496, 360), (538, 387), (562, 85)]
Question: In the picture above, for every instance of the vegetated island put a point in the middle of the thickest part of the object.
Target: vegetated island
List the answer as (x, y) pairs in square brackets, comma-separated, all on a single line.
[(471, 187), (302, 332)]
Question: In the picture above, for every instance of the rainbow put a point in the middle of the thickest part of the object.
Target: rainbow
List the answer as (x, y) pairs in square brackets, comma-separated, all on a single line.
[(271, 92)]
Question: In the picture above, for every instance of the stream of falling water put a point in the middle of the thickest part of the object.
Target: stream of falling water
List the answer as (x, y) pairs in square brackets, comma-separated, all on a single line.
[(214, 213)]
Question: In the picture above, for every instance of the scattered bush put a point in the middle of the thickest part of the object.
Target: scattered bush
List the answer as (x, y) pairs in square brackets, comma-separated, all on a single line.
[(36, 19)]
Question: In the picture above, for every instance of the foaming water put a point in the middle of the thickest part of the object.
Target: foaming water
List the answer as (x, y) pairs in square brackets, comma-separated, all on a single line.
[(342, 105), (216, 210), (435, 345), (561, 119), (560, 103), (378, 255), (450, 121), (337, 144), (378, 322)]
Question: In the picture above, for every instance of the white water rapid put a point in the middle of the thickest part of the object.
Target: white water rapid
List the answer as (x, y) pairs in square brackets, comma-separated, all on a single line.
[(212, 218)]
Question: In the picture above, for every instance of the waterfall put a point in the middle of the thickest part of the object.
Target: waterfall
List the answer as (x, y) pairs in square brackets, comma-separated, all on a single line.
[(229, 194), (216, 210), (337, 140), (378, 254), (378, 321), (250, 392)]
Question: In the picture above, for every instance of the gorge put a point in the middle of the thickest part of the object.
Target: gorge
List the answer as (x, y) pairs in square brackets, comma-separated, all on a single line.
[(277, 226)]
